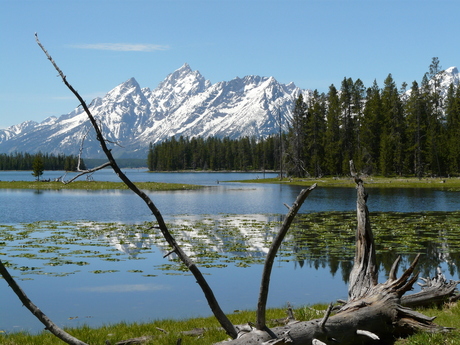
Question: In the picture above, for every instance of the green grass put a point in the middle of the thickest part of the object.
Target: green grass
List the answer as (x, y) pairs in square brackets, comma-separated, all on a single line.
[(166, 332), (370, 182), (449, 316), (452, 184), (94, 185)]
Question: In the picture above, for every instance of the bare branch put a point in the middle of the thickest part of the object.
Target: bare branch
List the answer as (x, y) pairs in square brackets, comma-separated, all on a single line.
[(80, 152), (394, 269), (214, 305), (264, 285), (326, 316), (84, 172), (49, 325), (371, 335)]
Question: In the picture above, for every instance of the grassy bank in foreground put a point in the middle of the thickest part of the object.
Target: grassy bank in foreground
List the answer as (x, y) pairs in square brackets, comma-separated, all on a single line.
[(371, 182), (166, 332), (94, 185)]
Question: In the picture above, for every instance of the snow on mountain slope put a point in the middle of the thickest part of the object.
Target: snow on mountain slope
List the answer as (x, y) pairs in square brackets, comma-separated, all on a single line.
[(449, 76), (184, 103)]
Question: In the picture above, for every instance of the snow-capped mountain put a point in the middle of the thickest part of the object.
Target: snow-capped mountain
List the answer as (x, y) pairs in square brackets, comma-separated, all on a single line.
[(185, 103), (447, 77)]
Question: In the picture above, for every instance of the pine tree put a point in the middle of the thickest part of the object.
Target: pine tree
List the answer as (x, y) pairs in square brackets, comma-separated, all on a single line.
[(347, 126), (393, 138), (371, 130), (435, 135), (151, 158), (38, 166), (332, 154), (358, 97), (314, 133), (453, 129), (296, 139), (416, 115)]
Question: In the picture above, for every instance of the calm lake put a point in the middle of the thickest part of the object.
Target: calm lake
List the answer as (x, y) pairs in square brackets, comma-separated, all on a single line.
[(80, 266)]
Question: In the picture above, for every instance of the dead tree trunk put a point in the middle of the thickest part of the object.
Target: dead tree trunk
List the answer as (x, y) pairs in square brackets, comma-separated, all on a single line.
[(373, 314)]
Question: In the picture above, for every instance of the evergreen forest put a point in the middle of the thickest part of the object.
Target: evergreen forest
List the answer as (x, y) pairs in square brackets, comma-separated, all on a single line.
[(389, 131), (215, 154), (25, 161)]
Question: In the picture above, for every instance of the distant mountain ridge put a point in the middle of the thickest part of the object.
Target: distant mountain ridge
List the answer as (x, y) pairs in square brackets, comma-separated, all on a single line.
[(184, 103)]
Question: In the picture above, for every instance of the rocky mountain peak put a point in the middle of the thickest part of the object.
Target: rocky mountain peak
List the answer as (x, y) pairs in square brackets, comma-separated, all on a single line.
[(184, 103)]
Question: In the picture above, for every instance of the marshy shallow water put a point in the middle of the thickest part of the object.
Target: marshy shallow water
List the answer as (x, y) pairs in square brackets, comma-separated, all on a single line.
[(87, 257)]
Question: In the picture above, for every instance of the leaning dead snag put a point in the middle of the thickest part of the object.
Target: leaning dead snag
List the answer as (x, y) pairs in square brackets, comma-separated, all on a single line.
[(214, 305), (264, 285), (49, 325)]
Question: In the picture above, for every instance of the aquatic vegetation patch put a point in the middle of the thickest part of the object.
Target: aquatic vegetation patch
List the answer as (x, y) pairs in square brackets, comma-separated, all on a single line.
[(324, 239)]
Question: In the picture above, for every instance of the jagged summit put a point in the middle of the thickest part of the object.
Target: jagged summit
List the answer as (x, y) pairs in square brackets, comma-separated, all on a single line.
[(184, 103)]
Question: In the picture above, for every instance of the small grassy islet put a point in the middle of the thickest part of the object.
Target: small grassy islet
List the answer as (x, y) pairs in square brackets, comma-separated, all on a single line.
[(95, 185)]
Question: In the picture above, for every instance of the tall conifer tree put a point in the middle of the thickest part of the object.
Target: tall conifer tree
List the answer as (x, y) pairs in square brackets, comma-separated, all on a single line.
[(371, 132), (296, 139), (393, 141), (315, 133), (332, 154), (416, 115)]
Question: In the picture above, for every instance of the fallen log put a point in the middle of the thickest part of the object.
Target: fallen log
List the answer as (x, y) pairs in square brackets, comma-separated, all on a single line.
[(374, 313), (435, 291)]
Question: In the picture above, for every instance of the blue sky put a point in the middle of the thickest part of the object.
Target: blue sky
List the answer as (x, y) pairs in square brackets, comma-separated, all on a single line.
[(313, 43)]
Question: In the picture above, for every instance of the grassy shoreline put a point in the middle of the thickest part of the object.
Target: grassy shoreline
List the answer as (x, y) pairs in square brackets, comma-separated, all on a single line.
[(95, 185), (208, 331), (452, 184)]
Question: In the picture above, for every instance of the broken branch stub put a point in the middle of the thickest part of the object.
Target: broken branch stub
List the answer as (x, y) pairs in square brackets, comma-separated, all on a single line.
[(364, 273)]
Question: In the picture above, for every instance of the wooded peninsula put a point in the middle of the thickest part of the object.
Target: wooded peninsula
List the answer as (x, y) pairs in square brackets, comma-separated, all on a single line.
[(385, 131)]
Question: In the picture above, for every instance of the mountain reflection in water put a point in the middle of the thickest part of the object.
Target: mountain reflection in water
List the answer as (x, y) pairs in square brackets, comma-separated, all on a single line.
[(115, 259), (92, 257), (318, 240)]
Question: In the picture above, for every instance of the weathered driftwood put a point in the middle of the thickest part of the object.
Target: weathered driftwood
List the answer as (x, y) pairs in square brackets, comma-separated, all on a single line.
[(373, 314), (132, 341), (435, 291), (364, 273)]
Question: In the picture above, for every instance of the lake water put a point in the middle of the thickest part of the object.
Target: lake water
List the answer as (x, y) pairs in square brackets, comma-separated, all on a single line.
[(95, 299)]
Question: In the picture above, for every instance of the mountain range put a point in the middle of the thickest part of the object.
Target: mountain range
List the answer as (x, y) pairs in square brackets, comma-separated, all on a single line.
[(184, 103)]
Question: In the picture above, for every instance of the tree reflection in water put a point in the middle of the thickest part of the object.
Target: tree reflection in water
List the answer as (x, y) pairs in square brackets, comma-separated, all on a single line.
[(327, 240)]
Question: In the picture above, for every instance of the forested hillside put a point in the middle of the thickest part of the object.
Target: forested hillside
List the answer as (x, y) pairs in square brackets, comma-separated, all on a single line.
[(24, 161), (390, 131), (386, 131)]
